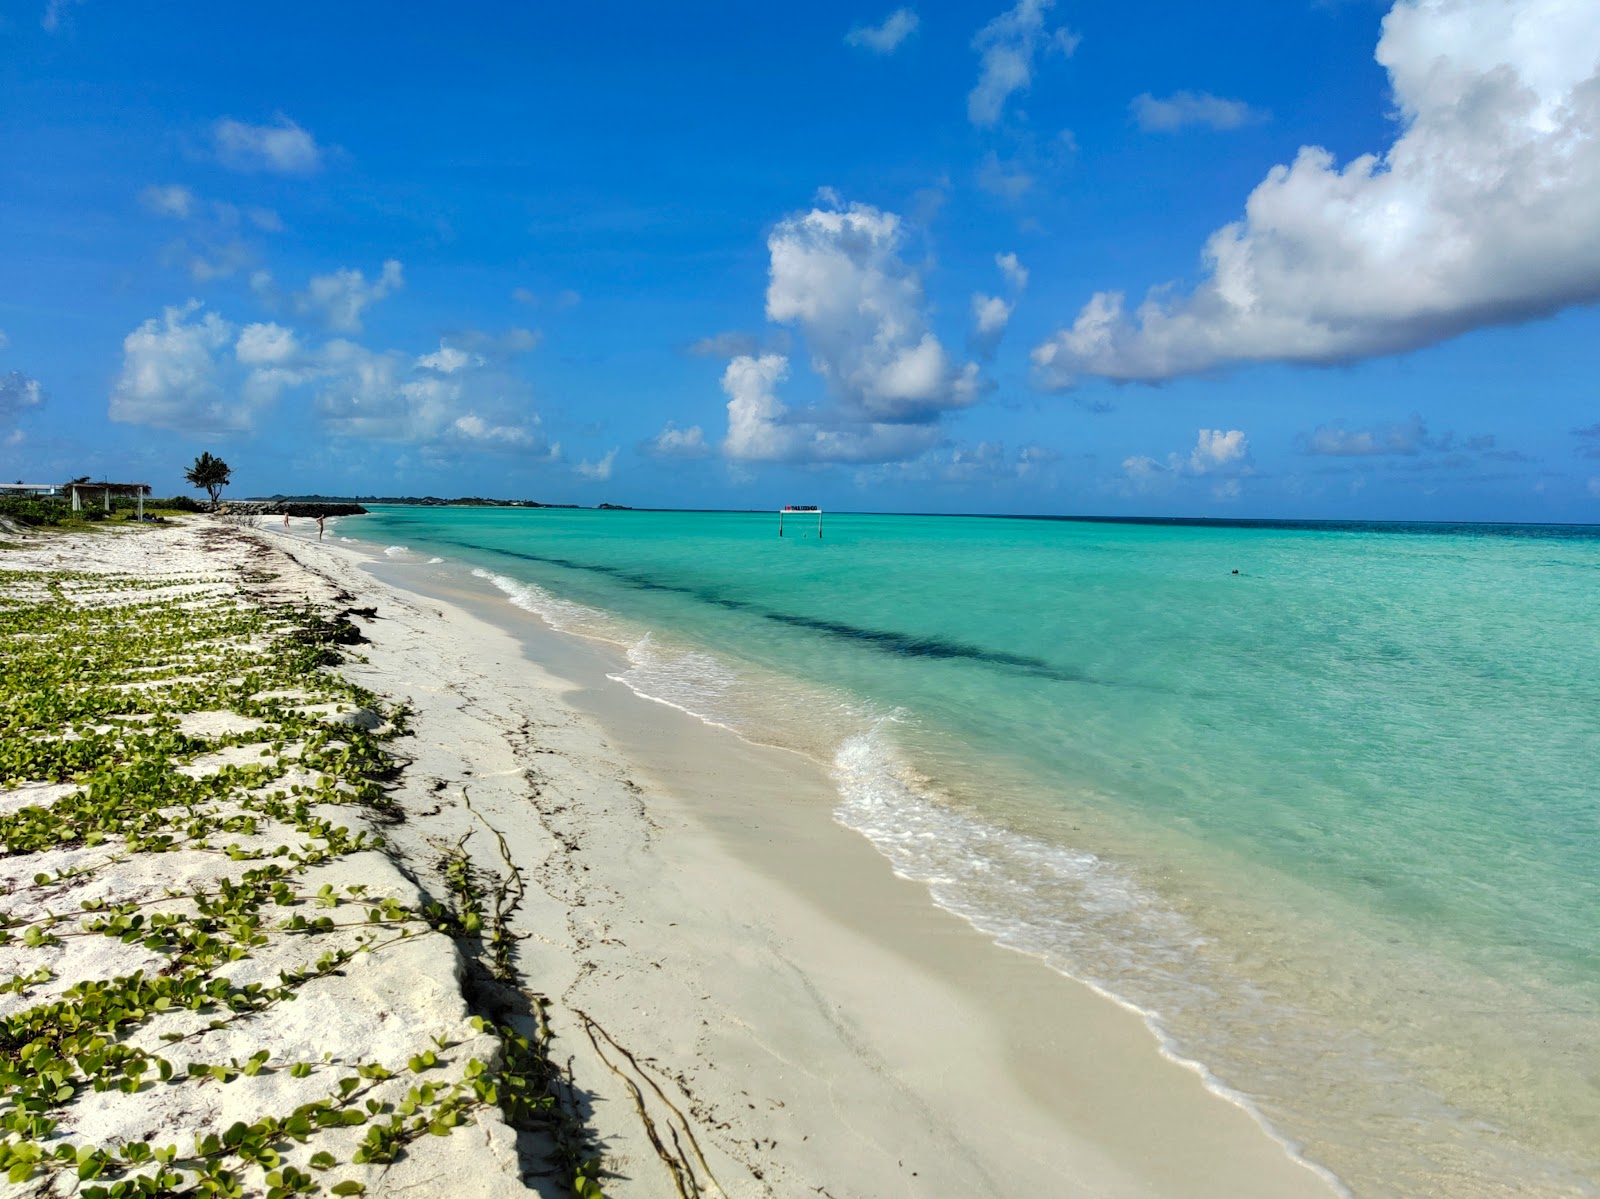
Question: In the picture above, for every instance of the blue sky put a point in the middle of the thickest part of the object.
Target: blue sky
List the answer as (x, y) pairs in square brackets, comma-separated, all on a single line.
[(1258, 259)]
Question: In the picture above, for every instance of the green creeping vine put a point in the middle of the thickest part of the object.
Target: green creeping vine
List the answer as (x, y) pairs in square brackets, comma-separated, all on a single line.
[(97, 676)]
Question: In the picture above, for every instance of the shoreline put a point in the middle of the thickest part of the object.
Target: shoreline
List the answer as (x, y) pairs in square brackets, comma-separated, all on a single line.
[(1154, 1127)]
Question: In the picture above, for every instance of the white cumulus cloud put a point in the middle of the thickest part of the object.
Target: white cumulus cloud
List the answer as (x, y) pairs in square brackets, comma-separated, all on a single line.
[(885, 38), (474, 428), (18, 394), (762, 429), (837, 277), (754, 410), (171, 377), (1016, 274), (342, 296), (673, 442), (447, 360), (1222, 454), (266, 344), (178, 373), (599, 471), (1482, 212), (282, 148), (990, 315), (1217, 450), (1007, 47), (389, 396), (1182, 109)]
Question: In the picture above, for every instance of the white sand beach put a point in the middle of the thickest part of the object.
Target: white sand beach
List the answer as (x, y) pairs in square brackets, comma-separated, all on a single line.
[(731, 974)]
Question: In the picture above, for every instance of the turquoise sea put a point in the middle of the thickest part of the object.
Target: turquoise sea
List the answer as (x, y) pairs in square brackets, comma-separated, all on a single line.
[(1322, 800)]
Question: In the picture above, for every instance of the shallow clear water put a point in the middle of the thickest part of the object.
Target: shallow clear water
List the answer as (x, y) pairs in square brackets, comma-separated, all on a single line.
[(1331, 821)]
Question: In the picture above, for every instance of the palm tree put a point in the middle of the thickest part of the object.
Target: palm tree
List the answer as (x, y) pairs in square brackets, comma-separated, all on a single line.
[(210, 474)]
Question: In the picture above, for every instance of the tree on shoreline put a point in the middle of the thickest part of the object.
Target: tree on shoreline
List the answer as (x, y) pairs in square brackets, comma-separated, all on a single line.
[(209, 474)]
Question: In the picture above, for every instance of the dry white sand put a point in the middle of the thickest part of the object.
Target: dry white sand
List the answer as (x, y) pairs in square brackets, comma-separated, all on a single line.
[(732, 975)]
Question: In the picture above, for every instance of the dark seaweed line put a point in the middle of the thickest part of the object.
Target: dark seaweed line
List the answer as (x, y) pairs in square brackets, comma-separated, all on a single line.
[(885, 641)]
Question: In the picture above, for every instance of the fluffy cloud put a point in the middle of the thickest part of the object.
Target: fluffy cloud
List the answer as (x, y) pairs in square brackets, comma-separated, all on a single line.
[(192, 371), (884, 38), (171, 378), (837, 276), (761, 428), (170, 199), (447, 360), (991, 314), (386, 396), (473, 428), (18, 394), (1016, 274), (1482, 212), (1222, 454), (754, 410), (1182, 109), (673, 442), (1007, 47), (1215, 450), (266, 344), (341, 297), (281, 148), (4, 340), (599, 471)]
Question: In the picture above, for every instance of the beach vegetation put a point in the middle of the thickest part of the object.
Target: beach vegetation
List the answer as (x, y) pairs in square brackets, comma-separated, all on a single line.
[(54, 513), (103, 681)]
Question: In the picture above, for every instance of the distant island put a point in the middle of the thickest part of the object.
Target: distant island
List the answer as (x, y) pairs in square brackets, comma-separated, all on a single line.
[(425, 501)]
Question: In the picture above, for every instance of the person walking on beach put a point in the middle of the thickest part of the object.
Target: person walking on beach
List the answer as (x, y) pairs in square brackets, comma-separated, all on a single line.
[(319, 528), (286, 520)]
